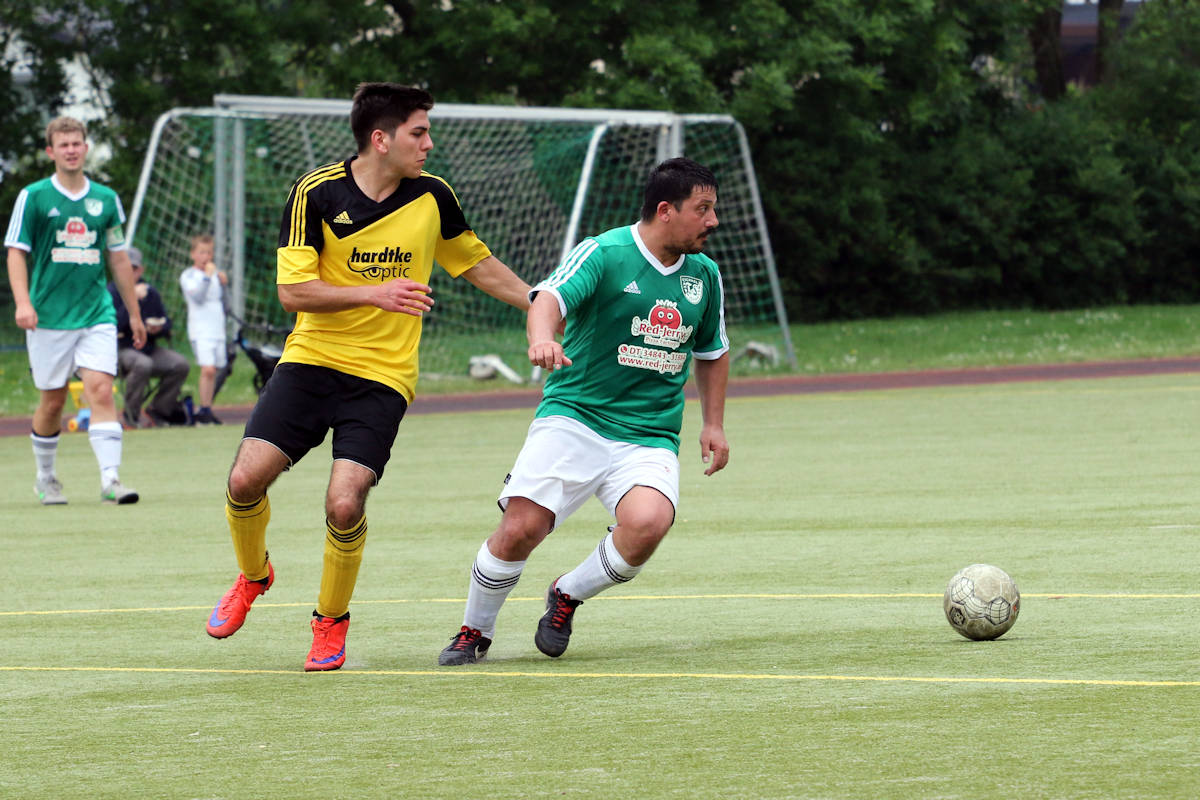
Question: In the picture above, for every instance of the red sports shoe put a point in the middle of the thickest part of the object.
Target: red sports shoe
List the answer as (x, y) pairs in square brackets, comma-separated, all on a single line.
[(230, 613), (329, 643)]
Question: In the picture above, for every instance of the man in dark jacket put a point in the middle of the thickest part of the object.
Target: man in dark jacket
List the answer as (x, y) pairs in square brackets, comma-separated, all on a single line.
[(153, 360)]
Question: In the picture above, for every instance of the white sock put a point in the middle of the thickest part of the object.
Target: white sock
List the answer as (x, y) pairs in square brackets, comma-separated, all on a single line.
[(45, 449), (491, 581), (105, 438), (602, 569)]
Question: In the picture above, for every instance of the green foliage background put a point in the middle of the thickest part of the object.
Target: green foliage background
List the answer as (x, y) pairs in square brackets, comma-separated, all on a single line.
[(908, 160)]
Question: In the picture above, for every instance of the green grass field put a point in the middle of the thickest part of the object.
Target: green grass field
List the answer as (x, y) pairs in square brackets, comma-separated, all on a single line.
[(787, 641)]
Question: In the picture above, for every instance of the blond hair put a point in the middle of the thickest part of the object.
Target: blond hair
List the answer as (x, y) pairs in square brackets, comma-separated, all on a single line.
[(64, 125), (202, 238)]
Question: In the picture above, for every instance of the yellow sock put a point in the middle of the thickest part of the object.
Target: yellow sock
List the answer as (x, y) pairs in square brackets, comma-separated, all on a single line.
[(343, 554), (248, 524)]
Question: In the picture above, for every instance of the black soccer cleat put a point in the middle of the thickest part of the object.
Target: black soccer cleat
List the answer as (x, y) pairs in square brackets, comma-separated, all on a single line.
[(554, 628), (468, 646)]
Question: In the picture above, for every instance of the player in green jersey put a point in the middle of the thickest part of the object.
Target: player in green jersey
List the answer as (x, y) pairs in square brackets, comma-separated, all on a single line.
[(60, 230), (640, 303)]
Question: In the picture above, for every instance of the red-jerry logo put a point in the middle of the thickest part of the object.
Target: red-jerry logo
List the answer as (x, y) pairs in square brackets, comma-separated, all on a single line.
[(75, 233), (666, 316), (663, 326)]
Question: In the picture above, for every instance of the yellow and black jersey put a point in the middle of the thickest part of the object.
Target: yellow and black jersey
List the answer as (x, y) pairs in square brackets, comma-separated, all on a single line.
[(333, 232)]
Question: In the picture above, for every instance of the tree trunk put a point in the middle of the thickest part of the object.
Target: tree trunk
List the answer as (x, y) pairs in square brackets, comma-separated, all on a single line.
[(1044, 36), (1108, 18)]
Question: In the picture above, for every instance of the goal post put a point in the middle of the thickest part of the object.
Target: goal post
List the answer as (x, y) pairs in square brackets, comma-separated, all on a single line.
[(532, 182)]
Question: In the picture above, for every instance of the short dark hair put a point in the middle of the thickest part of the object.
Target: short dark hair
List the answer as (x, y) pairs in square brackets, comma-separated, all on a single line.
[(674, 180), (384, 106)]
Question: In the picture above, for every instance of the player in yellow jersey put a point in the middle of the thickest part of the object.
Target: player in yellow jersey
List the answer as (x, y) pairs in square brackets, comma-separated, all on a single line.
[(356, 250)]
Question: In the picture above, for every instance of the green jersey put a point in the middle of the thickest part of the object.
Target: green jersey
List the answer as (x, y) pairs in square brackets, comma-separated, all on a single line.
[(633, 325), (65, 237)]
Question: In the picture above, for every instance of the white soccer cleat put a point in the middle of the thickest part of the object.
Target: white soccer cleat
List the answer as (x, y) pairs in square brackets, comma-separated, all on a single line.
[(50, 491), (118, 495)]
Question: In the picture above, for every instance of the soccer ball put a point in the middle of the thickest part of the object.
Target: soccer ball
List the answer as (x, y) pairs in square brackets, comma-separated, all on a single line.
[(982, 602)]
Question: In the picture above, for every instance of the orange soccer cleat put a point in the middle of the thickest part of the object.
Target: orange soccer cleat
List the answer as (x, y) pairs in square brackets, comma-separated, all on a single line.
[(230, 613)]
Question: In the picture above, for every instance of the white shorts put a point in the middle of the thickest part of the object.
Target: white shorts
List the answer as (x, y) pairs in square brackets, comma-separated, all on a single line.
[(54, 354), (209, 352), (564, 462)]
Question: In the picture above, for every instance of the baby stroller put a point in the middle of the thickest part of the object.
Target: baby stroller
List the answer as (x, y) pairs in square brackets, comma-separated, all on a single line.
[(258, 342)]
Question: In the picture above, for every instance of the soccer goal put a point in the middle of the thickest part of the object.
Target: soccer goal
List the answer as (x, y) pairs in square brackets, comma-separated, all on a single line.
[(532, 182)]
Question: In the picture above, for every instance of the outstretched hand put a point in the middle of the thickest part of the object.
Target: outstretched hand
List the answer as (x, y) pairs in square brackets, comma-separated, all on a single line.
[(403, 296)]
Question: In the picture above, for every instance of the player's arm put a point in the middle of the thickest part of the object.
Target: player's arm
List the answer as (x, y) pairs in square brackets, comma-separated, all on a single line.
[(400, 295), (493, 277), (712, 376), (18, 281), (543, 320), (122, 272)]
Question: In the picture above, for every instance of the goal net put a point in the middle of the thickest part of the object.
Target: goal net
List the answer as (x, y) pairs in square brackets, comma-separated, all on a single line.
[(532, 183)]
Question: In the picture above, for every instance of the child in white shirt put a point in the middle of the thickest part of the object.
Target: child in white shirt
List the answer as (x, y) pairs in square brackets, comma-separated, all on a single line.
[(203, 287)]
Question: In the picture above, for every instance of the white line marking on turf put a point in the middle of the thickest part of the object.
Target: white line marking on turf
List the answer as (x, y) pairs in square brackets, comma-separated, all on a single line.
[(642, 597), (714, 676)]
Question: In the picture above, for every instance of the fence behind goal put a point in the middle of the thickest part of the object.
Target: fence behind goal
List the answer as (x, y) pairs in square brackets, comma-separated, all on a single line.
[(532, 182)]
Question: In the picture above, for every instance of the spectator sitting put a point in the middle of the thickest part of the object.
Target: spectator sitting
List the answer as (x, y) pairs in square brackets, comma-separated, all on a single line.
[(152, 360)]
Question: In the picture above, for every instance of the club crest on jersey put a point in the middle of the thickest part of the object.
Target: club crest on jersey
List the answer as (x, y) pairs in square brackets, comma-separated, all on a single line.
[(76, 233), (693, 288), (93, 206), (663, 326)]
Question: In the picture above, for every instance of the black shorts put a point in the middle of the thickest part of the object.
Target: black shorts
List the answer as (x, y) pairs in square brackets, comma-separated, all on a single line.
[(302, 402)]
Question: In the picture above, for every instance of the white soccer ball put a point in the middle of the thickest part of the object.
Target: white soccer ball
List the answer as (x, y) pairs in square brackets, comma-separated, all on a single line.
[(982, 602)]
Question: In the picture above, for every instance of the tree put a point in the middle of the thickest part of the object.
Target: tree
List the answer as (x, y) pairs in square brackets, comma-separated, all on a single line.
[(142, 59), (897, 141)]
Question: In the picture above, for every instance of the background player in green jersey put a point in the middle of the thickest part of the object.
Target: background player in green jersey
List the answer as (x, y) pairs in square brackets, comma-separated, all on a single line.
[(60, 230), (640, 302)]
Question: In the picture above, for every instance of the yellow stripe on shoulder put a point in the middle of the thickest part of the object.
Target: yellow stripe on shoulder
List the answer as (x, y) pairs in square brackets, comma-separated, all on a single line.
[(305, 185)]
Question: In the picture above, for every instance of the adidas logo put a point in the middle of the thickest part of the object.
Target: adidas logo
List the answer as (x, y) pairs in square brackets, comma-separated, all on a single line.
[(632, 288), (53, 212), (343, 219)]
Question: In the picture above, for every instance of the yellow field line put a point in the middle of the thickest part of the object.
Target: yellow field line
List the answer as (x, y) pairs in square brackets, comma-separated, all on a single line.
[(459, 674), (641, 597)]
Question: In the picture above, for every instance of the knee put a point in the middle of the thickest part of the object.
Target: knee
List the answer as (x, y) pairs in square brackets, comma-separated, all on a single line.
[(53, 403), (518, 534), (638, 535), (343, 511), (245, 486), (137, 371), (647, 524)]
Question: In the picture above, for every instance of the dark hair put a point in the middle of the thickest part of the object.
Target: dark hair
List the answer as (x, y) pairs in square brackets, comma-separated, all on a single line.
[(385, 107), (674, 180)]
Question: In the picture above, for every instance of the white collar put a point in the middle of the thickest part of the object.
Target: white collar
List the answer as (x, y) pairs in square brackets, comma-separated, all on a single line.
[(87, 185), (654, 262)]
